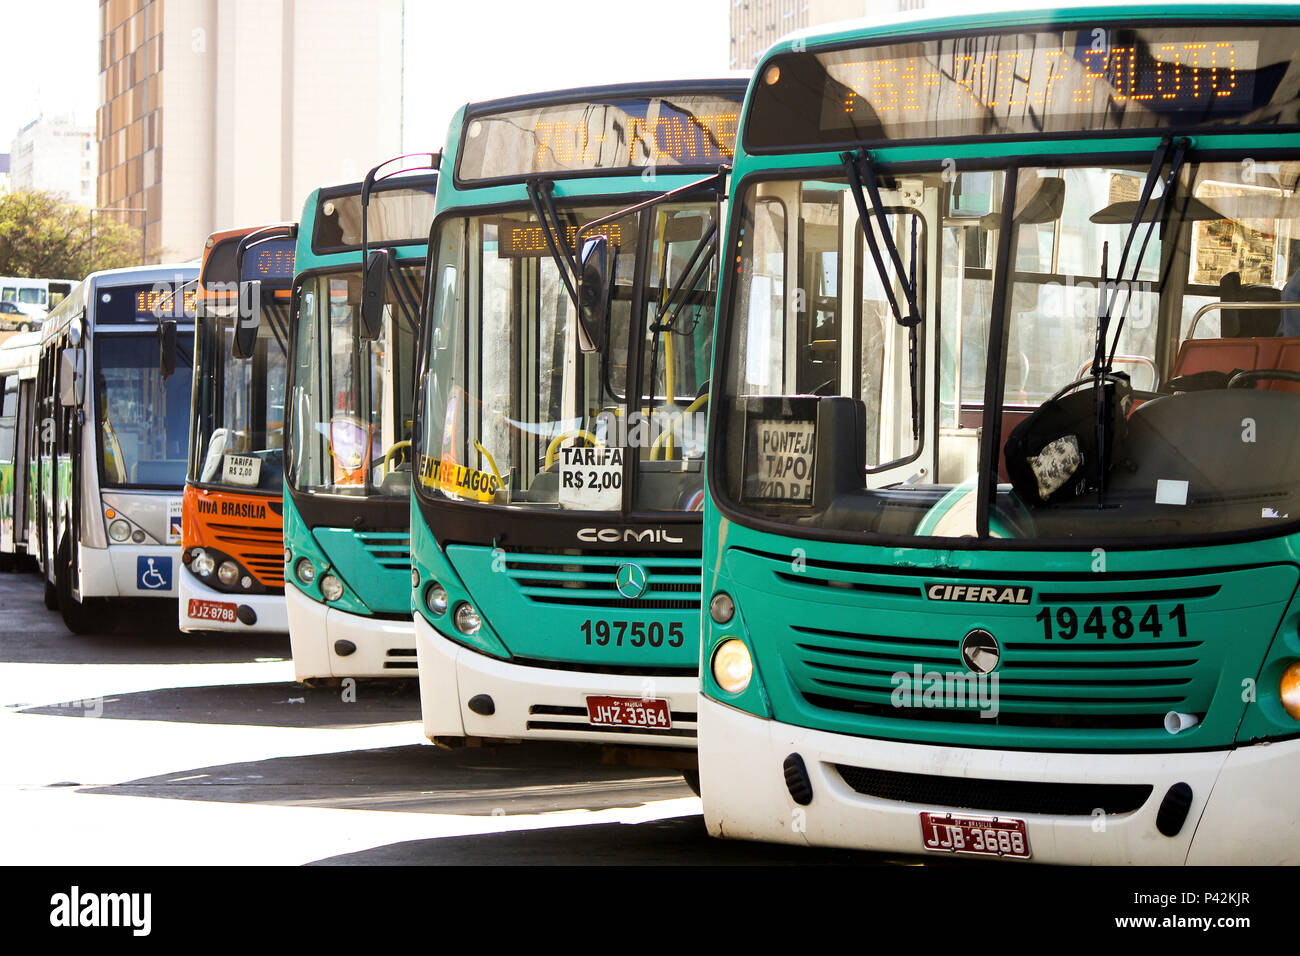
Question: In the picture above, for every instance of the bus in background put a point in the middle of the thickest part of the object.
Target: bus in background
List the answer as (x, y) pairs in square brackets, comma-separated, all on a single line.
[(113, 404), (24, 302), (348, 429), (232, 550), (556, 521), (18, 358), (1000, 546)]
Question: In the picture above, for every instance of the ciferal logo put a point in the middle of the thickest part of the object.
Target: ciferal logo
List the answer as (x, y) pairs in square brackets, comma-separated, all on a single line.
[(75, 908), (979, 593), (631, 580), (980, 651), (620, 535)]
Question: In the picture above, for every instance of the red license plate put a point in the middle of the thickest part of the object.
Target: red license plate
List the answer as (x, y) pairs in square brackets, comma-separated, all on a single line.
[(981, 836), (212, 611), (629, 712)]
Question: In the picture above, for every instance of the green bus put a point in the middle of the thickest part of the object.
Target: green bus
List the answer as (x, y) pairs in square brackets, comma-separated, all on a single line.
[(560, 416), (999, 552), (347, 461)]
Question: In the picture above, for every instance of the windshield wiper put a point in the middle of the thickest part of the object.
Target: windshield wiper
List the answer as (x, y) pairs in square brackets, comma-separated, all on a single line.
[(1103, 361), (541, 193), (862, 172)]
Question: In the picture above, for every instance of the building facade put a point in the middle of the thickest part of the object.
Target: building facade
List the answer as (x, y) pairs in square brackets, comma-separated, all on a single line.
[(757, 24), (221, 113), (55, 154)]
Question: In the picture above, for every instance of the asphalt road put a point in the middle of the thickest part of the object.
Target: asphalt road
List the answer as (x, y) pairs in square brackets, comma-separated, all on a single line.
[(147, 746)]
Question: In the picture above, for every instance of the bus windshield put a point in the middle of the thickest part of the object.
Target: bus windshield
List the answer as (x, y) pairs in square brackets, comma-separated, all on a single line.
[(516, 413), (1181, 421), (143, 419), (352, 397), (239, 403)]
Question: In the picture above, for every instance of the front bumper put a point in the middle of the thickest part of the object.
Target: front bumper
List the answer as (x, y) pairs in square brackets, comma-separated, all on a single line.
[(270, 614), (118, 572), (1243, 807), (384, 648), (538, 703)]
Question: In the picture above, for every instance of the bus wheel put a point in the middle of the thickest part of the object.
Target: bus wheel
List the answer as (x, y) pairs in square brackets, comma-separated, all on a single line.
[(78, 617), (51, 597), (692, 778)]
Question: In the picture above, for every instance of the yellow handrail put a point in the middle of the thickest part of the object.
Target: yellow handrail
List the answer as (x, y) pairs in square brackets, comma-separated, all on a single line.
[(565, 436)]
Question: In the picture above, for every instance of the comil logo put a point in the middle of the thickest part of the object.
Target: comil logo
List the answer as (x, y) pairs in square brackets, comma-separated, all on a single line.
[(619, 535), (76, 909)]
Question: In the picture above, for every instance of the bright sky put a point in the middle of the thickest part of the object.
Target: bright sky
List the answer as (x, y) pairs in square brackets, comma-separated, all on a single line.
[(456, 51), (51, 62)]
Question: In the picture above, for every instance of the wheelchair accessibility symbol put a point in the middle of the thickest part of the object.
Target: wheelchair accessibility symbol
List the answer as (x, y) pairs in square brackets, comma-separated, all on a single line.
[(153, 573)]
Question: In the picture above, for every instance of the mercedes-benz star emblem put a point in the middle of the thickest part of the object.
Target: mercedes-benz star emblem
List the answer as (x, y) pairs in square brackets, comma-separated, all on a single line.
[(630, 580), (980, 651)]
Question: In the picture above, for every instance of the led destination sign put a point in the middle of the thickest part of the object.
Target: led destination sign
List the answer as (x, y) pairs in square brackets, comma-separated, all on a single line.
[(694, 131), (526, 240), (1025, 83), (271, 260)]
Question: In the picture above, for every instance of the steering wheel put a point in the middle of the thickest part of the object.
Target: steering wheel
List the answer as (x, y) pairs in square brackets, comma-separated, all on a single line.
[(561, 438), (1248, 378)]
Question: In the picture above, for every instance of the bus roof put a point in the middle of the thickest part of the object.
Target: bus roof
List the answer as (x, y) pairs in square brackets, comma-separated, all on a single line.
[(21, 352)]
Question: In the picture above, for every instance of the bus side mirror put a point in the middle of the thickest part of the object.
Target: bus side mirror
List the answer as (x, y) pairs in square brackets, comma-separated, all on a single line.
[(167, 348), (595, 288), (71, 371), (250, 318), (373, 289)]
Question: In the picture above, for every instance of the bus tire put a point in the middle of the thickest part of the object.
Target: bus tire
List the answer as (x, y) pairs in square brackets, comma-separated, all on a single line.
[(51, 597), (77, 617), (692, 778)]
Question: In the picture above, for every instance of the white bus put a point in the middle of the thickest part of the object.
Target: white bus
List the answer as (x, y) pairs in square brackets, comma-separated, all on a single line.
[(24, 302), (113, 394)]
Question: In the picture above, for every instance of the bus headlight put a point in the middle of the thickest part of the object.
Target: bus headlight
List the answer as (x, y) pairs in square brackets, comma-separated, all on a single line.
[(1289, 690), (228, 573), (722, 608), (331, 587), (305, 570), (202, 563), (435, 599), (467, 619), (732, 666), (119, 531)]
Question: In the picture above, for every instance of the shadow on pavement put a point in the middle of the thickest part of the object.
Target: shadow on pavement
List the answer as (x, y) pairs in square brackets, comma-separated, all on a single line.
[(280, 704), (680, 841), (536, 778), (144, 632)]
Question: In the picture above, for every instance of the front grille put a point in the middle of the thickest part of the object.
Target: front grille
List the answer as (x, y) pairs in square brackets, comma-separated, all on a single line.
[(391, 550), (672, 583), (996, 796), (260, 550), (575, 718), (402, 661), (865, 649), (1135, 685)]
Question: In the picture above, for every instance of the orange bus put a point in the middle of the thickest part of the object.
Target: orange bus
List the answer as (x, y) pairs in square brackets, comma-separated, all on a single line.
[(231, 527)]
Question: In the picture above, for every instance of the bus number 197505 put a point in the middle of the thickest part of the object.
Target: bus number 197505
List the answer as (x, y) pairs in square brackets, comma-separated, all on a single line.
[(633, 633)]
